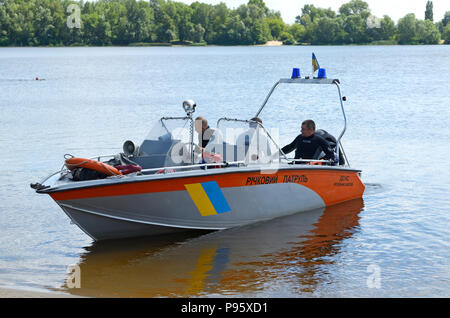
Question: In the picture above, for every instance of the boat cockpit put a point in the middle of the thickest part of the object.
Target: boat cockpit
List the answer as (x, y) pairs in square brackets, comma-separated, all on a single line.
[(172, 143)]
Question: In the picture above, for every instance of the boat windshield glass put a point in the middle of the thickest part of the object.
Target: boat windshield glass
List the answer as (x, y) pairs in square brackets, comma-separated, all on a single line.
[(167, 144), (241, 140)]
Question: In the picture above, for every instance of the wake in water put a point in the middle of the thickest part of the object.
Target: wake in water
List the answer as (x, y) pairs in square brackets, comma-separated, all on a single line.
[(373, 188)]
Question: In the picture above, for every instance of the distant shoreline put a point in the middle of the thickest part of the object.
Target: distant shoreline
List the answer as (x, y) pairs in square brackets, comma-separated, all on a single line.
[(268, 44)]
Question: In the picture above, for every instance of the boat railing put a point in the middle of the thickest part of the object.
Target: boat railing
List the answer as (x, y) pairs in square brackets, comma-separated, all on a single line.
[(188, 167), (99, 158), (172, 169), (293, 161)]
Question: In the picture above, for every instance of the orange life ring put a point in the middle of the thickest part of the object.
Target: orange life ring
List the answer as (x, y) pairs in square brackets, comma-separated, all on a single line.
[(73, 163)]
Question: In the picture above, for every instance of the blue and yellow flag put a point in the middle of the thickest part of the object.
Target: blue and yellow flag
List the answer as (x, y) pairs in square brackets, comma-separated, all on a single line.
[(315, 63), (208, 198)]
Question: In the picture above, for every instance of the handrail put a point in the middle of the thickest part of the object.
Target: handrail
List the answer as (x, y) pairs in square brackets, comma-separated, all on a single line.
[(309, 160), (345, 120), (276, 145), (102, 156), (267, 98), (226, 164), (194, 166), (233, 119)]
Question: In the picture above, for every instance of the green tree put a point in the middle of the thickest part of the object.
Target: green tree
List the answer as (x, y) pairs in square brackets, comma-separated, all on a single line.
[(62, 34), (4, 21), (19, 23), (201, 15), (219, 20), (298, 32), (90, 23), (236, 31), (427, 32), (259, 32), (446, 19), (329, 31), (443, 23), (198, 33), (407, 29), (140, 17), (309, 19), (254, 18), (381, 29), (310, 14), (309, 26), (429, 11), (287, 38), (387, 28), (355, 7), (260, 4), (355, 27), (43, 24), (276, 27), (446, 34), (165, 27), (355, 14), (181, 15)]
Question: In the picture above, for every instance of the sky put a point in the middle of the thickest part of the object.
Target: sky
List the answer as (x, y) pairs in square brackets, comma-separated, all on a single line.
[(396, 9)]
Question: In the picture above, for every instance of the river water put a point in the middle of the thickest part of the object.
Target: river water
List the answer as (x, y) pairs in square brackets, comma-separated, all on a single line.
[(88, 101)]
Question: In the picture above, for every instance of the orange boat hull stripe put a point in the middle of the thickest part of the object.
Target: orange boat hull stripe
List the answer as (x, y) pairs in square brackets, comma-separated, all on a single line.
[(331, 185)]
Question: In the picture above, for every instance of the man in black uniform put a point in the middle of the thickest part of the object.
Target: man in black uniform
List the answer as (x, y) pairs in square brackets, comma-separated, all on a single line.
[(306, 144)]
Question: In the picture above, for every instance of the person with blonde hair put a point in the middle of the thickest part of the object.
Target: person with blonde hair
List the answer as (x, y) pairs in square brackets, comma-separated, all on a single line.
[(204, 131)]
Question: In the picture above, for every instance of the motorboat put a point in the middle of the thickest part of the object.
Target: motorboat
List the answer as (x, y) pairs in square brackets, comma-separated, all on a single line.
[(169, 183)]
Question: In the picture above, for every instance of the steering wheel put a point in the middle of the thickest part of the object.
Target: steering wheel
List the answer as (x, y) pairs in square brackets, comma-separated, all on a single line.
[(180, 153)]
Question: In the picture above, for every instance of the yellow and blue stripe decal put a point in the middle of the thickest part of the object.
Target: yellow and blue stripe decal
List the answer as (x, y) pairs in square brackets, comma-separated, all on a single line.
[(208, 198)]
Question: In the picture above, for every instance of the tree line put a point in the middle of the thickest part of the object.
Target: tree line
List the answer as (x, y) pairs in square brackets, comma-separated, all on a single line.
[(134, 22)]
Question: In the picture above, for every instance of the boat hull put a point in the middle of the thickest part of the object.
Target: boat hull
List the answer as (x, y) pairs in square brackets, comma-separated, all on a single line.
[(203, 201)]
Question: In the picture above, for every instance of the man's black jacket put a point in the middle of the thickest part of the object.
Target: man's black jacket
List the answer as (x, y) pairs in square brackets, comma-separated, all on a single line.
[(306, 147)]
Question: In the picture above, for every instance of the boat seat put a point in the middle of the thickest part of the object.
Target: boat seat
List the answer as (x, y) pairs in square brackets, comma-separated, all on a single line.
[(332, 145)]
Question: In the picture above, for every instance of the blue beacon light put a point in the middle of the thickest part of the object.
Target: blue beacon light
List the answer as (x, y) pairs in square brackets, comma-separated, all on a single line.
[(322, 73), (295, 73)]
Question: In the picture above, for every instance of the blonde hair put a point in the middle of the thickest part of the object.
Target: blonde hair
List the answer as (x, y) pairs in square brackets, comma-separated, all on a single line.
[(203, 120)]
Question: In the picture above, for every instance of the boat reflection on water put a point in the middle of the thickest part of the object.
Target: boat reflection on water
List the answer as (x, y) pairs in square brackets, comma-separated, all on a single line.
[(292, 252)]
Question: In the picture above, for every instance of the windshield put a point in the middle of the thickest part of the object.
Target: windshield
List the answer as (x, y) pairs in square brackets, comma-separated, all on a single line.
[(167, 144), (246, 141)]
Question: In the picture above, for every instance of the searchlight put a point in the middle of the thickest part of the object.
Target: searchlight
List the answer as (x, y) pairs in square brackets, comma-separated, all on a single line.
[(189, 106)]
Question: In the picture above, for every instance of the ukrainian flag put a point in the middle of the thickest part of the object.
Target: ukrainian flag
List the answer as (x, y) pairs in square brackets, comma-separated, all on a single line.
[(208, 198), (315, 63)]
